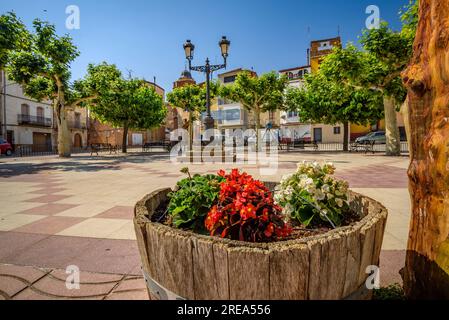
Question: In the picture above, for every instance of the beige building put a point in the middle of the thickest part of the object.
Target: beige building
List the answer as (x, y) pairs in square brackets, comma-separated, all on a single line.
[(77, 122), (291, 126), (232, 115), (24, 122)]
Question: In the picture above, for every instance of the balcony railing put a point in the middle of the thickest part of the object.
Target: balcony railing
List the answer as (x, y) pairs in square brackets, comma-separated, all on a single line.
[(73, 124), (24, 119)]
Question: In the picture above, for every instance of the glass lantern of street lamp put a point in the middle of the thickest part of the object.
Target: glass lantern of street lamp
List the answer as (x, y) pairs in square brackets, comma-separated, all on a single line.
[(224, 46), (189, 48)]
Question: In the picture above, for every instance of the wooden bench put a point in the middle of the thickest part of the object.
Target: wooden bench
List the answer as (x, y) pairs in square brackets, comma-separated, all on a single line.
[(101, 147), (365, 147), (159, 144), (302, 144)]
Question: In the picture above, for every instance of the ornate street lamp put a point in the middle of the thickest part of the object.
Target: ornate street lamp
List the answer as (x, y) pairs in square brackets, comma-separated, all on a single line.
[(189, 49)]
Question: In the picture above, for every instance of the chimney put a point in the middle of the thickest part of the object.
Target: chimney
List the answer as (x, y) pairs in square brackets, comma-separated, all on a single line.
[(308, 57)]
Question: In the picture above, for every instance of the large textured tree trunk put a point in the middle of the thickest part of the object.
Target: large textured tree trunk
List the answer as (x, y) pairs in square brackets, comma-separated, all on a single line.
[(406, 118), (64, 145), (393, 146), (426, 273), (125, 138), (346, 136), (257, 126)]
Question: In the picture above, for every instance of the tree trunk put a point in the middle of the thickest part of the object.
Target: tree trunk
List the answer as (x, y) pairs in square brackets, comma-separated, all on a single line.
[(257, 126), (125, 138), (426, 272), (405, 116), (391, 128), (64, 145), (191, 136), (346, 136)]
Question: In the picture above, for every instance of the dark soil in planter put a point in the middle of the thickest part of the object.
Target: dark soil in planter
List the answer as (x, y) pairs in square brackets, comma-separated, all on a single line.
[(299, 232), (160, 215)]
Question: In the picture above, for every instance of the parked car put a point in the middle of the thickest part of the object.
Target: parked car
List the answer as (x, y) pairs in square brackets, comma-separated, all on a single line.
[(5, 147), (377, 137)]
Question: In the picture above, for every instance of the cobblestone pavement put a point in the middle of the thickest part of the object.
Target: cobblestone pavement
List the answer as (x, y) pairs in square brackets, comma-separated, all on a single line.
[(78, 211)]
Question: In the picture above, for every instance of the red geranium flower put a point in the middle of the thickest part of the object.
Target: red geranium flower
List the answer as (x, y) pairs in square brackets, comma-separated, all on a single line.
[(245, 211)]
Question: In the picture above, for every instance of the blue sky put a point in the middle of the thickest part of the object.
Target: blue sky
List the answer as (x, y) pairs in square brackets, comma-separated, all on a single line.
[(147, 36)]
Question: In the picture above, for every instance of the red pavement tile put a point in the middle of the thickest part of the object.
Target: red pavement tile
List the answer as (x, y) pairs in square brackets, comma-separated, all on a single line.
[(391, 262), (93, 255), (88, 277), (48, 190), (33, 294), (49, 225), (48, 198), (30, 294), (51, 252), (27, 274), (137, 270), (49, 209), (118, 212), (110, 256), (129, 295), (131, 283), (12, 243), (11, 286), (55, 287), (375, 177)]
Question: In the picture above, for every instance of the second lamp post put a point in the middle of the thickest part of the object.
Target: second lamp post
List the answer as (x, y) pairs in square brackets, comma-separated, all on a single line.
[(207, 69)]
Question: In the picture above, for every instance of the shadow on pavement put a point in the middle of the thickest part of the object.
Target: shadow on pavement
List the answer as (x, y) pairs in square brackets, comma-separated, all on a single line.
[(81, 163)]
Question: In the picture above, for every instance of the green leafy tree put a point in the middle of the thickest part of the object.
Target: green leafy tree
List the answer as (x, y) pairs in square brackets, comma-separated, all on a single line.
[(409, 17), (128, 104), (192, 98), (43, 70), (378, 66), (13, 36), (257, 94), (322, 100), (363, 70)]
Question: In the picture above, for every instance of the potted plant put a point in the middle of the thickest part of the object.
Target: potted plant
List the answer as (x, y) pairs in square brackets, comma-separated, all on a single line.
[(230, 236)]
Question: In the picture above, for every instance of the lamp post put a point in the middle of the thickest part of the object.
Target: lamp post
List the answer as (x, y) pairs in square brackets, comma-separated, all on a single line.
[(207, 69)]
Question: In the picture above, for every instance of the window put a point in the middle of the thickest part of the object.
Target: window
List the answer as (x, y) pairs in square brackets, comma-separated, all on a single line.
[(232, 115), (78, 120), (337, 130), (292, 114), (229, 79), (25, 109), (40, 112)]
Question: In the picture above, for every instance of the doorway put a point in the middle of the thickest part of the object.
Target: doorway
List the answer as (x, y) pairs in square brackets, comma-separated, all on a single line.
[(137, 139), (41, 142), (77, 141), (318, 135)]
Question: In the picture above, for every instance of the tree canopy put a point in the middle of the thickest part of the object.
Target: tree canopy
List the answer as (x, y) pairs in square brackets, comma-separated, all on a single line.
[(192, 98), (126, 103), (322, 100), (257, 94), (13, 36), (378, 66), (41, 64)]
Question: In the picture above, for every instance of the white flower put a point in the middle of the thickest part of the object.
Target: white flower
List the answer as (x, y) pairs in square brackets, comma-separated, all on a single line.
[(288, 210), (326, 188), (319, 195), (304, 183), (339, 202)]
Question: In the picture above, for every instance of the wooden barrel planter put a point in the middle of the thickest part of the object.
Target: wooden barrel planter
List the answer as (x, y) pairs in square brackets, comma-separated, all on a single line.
[(179, 264)]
